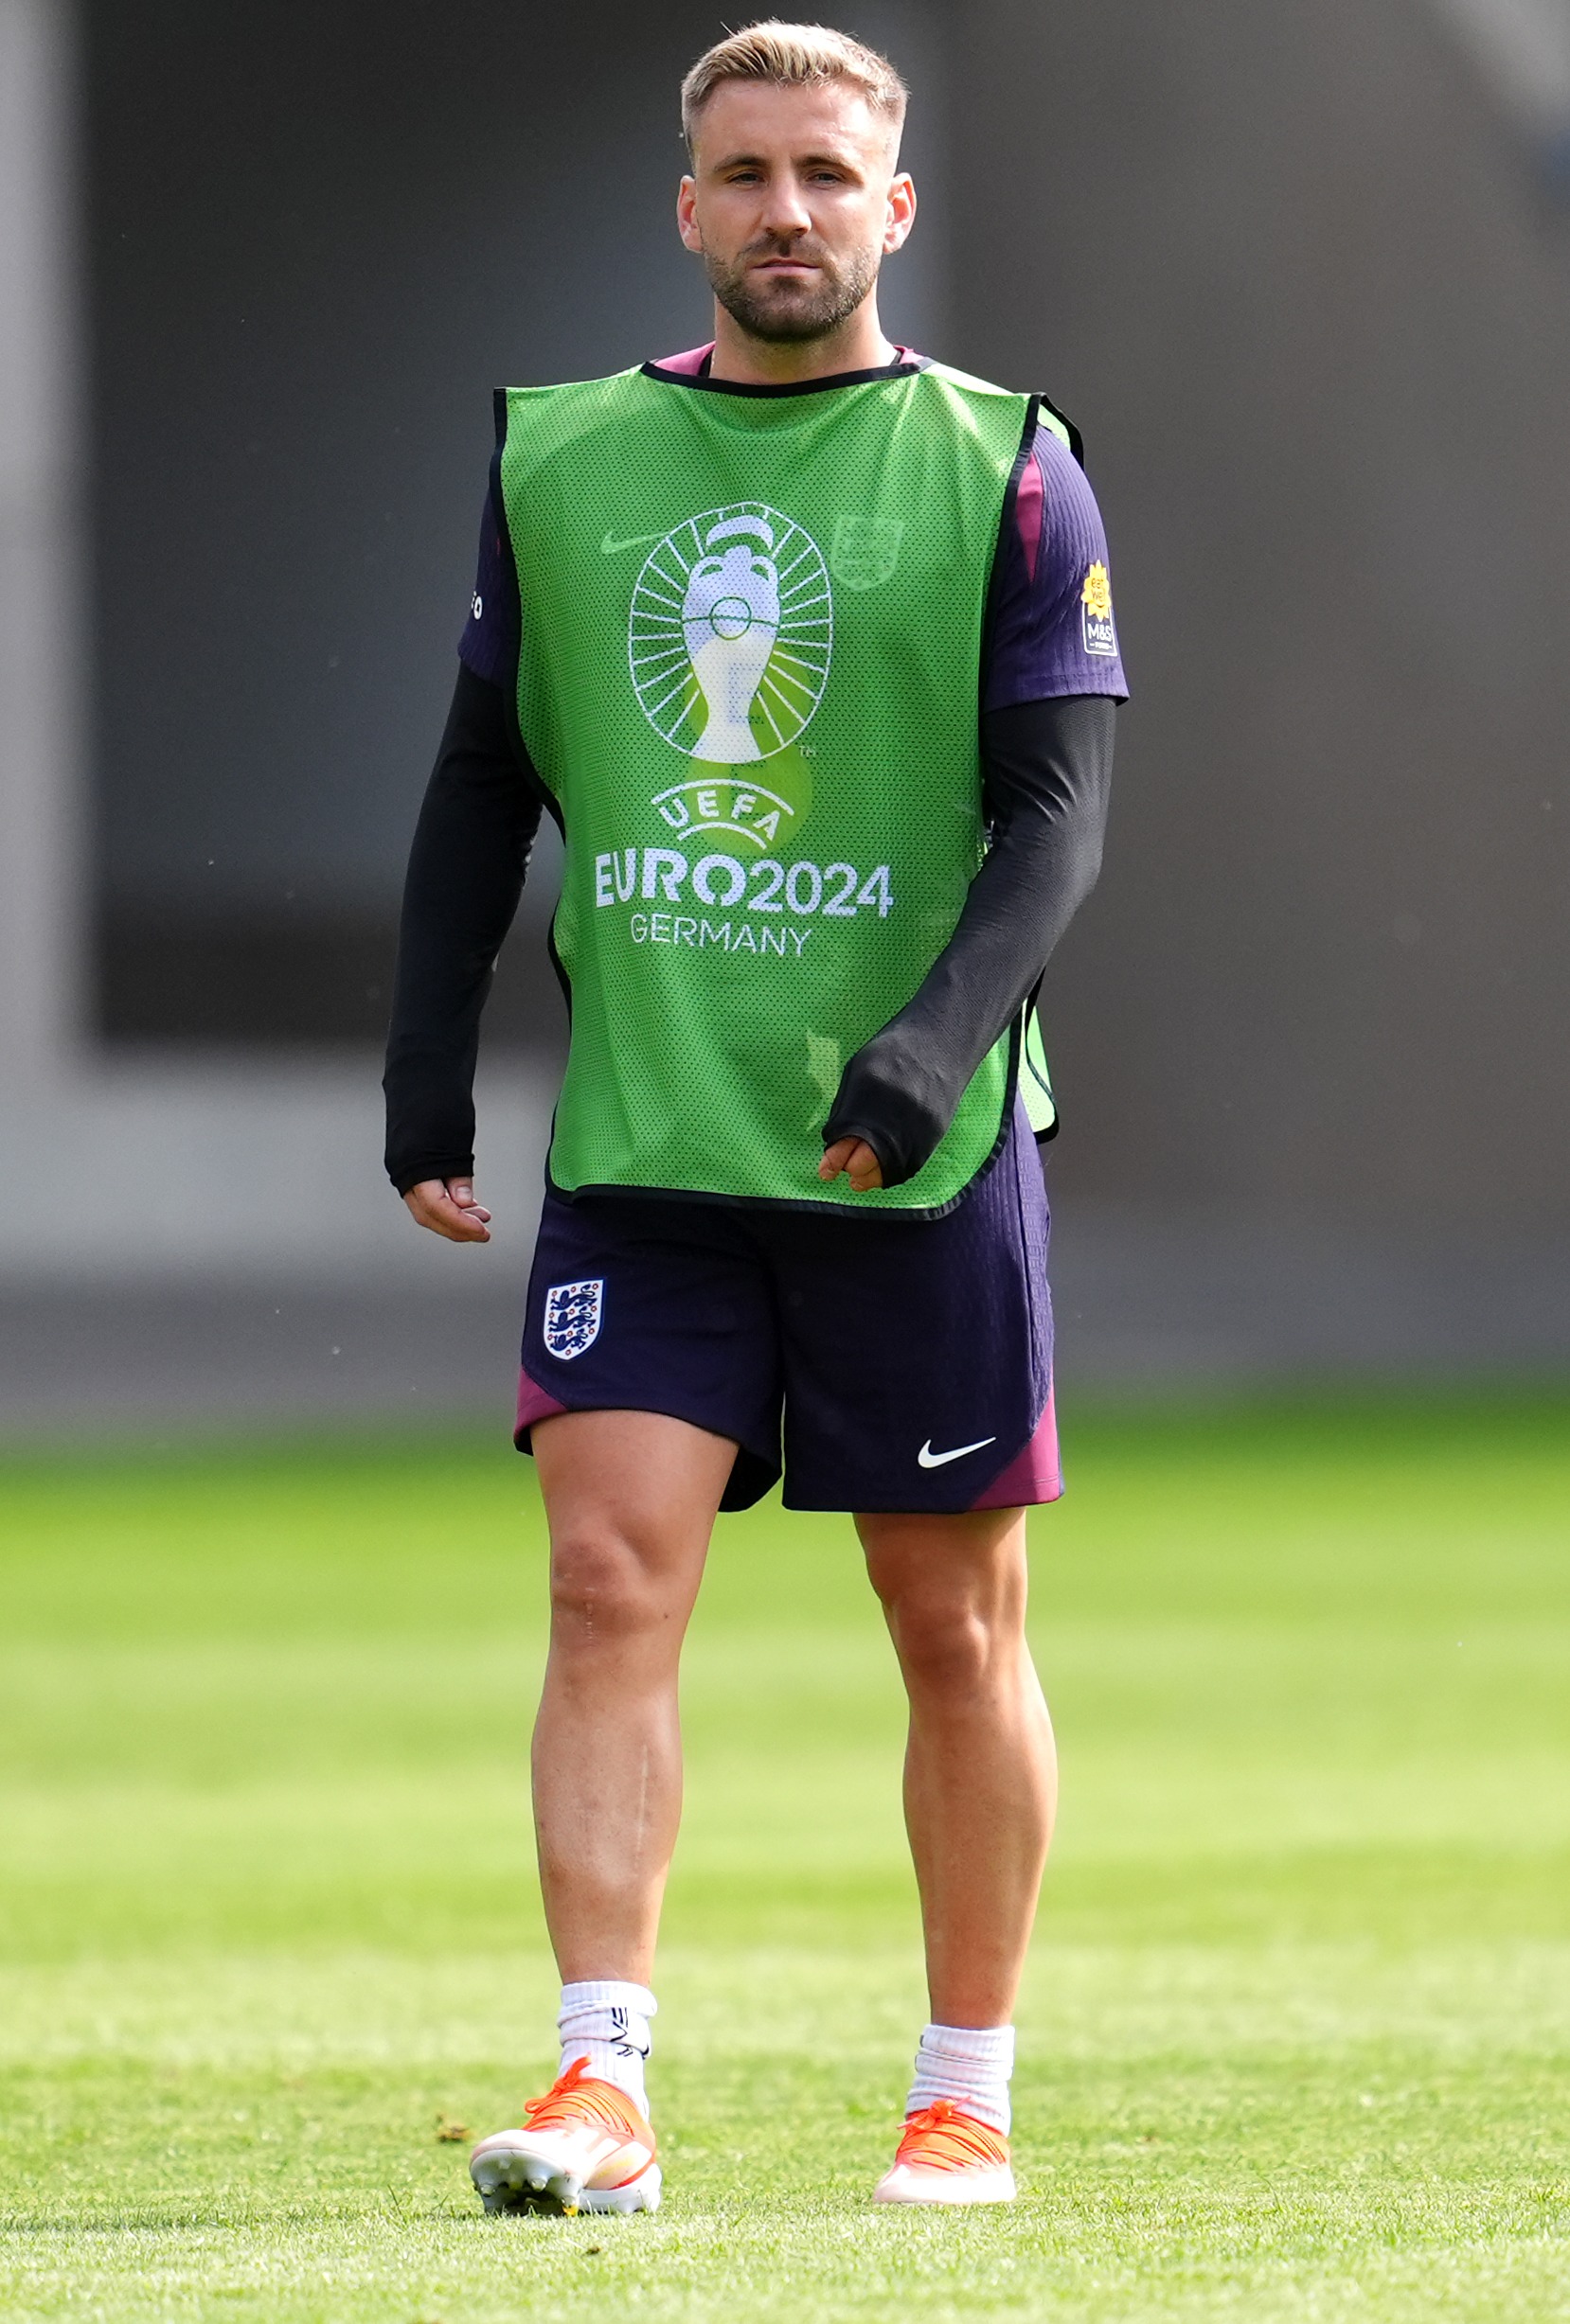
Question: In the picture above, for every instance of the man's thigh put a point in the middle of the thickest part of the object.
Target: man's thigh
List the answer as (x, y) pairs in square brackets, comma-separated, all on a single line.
[(948, 1570), (631, 1497)]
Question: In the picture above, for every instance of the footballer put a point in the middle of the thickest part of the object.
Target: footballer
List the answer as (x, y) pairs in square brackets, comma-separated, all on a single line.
[(806, 643)]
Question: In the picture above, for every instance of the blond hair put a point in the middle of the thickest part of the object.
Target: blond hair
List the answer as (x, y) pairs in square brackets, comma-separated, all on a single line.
[(795, 56)]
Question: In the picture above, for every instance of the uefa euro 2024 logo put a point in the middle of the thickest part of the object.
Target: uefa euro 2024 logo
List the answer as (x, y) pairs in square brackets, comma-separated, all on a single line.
[(731, 634)]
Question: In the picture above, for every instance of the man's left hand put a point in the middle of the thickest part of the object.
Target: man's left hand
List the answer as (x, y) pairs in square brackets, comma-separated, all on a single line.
[(857, 1159)]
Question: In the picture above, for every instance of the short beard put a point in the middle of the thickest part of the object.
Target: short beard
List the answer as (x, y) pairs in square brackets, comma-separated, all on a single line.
[(814, 315)]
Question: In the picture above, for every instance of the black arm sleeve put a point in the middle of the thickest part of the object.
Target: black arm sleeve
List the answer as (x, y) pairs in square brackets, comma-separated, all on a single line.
[(1047, 769), (466, 874)]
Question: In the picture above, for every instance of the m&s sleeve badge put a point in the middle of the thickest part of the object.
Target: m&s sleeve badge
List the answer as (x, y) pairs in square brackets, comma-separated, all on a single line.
[(1099, 634)]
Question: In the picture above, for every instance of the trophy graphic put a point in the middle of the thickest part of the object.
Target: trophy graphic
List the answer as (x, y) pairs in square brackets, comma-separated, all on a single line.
[(730, 634), (730, 618)]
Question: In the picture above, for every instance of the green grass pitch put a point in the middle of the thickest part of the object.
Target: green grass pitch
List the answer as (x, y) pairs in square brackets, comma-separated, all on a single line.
[(1295, 2039)]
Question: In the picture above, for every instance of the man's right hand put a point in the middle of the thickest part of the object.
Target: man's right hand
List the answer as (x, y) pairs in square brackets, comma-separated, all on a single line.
[(448, 1207)]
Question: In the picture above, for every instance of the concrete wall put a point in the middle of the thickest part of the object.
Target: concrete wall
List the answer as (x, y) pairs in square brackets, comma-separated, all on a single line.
[(318, 238), (43, 911), (1288, 271)]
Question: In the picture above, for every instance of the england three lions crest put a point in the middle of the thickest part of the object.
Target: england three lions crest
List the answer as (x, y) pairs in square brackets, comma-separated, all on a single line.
[(865, 551), (572, 1317)]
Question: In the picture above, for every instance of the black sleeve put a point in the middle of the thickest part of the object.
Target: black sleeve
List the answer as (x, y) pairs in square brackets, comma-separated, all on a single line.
[(1047, 769), (466, 874)]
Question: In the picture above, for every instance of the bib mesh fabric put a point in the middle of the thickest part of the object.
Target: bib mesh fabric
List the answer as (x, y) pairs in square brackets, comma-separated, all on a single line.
[(751, 630)]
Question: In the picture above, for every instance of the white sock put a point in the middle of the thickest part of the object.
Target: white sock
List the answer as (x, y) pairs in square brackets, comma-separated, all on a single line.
[(606, 2020), (967, 2065)]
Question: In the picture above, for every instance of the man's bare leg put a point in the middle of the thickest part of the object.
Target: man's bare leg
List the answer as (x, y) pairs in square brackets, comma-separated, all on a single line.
[(631, 1499), (981, 1776)]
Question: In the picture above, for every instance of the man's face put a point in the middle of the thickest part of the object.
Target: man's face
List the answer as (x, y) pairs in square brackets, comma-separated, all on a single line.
[(792, 203)]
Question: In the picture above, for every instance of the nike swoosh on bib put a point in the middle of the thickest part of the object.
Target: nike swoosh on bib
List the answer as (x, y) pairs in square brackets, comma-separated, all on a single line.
[(610, 546), (926, 1458)]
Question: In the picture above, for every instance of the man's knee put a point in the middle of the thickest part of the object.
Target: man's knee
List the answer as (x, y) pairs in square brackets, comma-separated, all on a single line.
[(946, 1643), (601, 1590)]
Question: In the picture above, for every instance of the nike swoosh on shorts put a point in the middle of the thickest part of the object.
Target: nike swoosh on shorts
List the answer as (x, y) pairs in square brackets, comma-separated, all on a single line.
[(926, 1458), (610, 546)]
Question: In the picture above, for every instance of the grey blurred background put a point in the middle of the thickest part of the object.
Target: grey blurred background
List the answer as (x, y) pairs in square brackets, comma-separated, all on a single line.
[(1302, 274)]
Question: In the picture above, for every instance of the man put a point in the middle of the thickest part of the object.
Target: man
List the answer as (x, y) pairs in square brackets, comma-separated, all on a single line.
[(733, 611)]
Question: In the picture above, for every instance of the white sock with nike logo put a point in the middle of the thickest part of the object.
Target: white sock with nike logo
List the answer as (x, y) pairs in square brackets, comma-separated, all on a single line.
[(606, 2020), (967, 2065)]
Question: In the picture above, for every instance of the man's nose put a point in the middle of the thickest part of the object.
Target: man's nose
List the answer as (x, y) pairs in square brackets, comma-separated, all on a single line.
[(785, 212)]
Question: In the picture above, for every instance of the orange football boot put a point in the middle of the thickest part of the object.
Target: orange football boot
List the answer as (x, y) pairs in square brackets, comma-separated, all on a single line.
[(583, 2147), (947, 2157)]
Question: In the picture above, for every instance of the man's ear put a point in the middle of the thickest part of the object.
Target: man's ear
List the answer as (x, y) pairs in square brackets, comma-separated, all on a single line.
[(687, 215), (902, 211)]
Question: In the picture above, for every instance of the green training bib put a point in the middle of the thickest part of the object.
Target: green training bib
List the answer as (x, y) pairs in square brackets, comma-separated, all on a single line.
[(751, 639)]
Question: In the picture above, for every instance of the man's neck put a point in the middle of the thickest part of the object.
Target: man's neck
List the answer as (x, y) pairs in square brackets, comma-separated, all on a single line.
[(858, 345)]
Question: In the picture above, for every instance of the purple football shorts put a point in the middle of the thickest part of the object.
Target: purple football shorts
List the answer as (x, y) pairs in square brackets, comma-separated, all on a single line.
[(905, 1363)]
